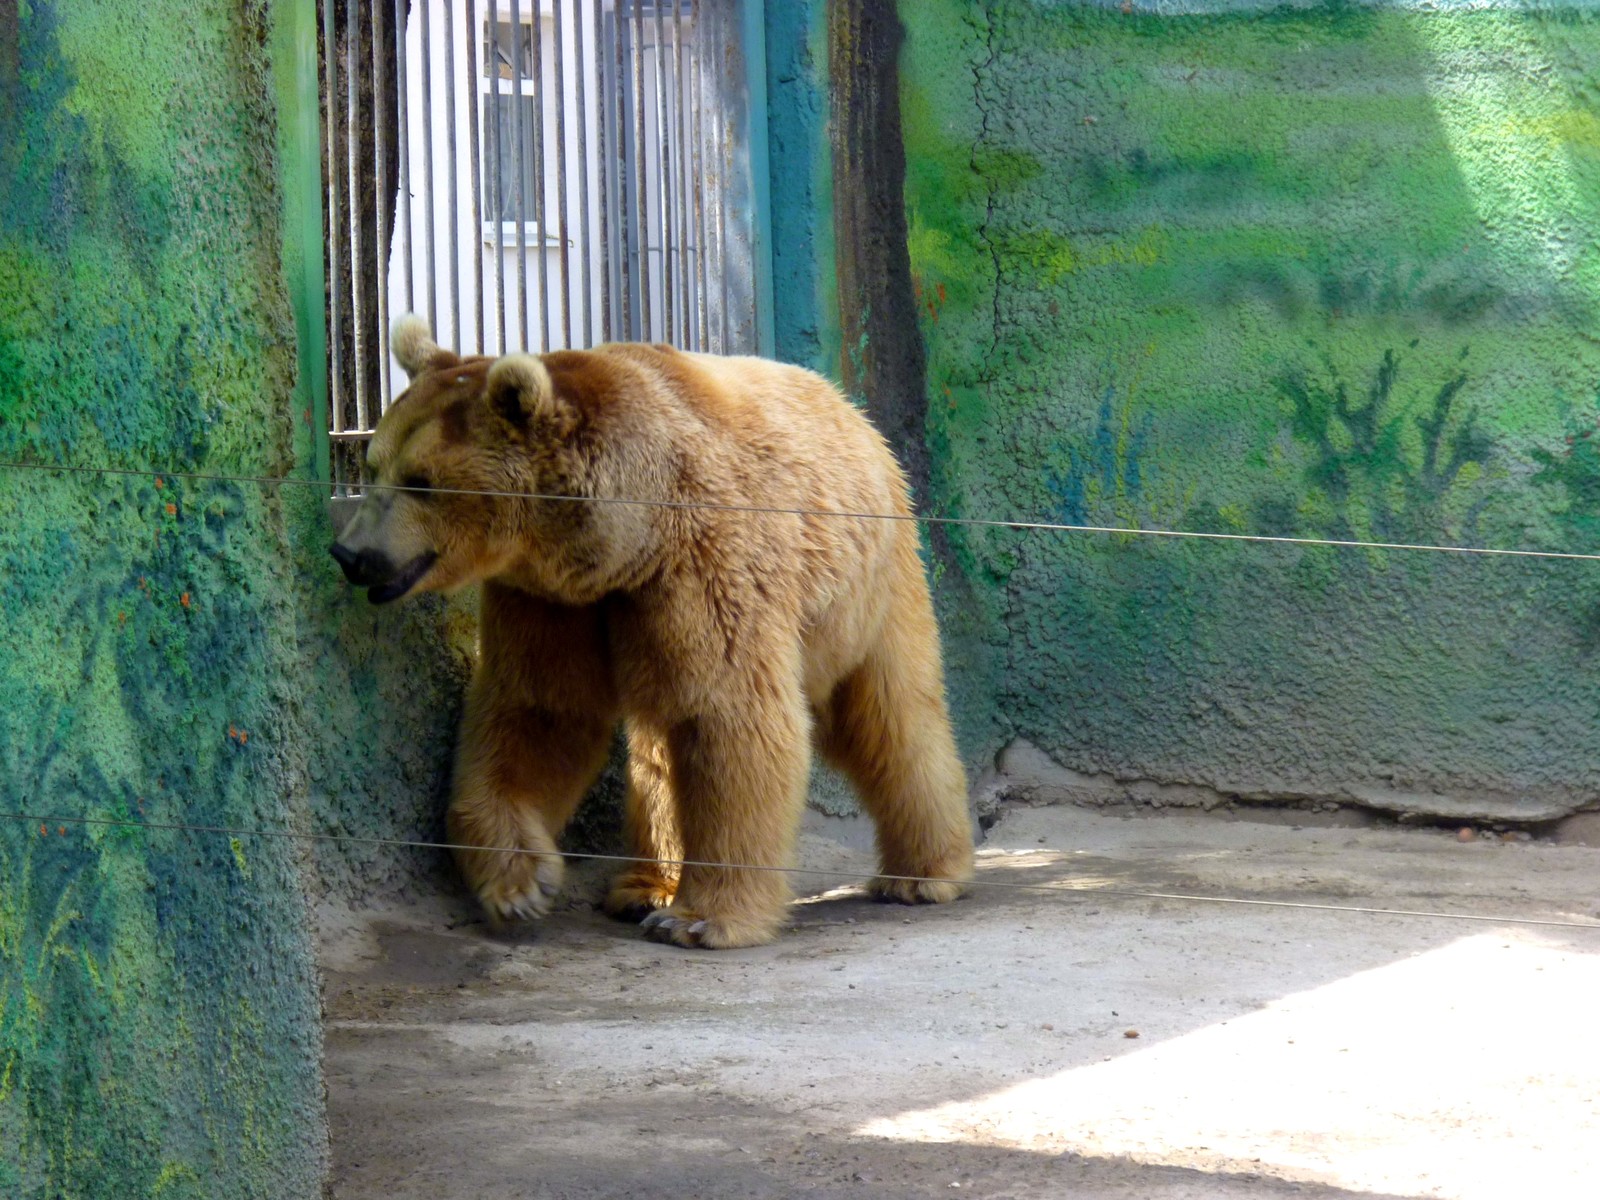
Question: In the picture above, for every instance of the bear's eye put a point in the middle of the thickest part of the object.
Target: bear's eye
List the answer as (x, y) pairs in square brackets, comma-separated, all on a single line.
[(420, 484)]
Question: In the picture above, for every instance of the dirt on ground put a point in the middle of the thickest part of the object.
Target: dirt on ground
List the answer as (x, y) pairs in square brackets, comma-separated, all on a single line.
[(1094, 1032)]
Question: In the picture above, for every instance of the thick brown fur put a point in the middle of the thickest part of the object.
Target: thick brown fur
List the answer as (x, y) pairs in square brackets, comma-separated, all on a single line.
[(729, 641)]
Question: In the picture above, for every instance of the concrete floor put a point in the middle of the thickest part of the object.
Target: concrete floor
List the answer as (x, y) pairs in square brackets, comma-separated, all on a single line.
[(987, 1048)]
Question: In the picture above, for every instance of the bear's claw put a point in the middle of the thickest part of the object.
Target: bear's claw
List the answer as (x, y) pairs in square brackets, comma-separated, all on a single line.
[(665, 926), (521, 894)]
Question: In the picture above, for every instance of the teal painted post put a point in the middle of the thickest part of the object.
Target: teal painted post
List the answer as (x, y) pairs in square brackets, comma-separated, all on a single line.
[(300, 177), (753, 39)]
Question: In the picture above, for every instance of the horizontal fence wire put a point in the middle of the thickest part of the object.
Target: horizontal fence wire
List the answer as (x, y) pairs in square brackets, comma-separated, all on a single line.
[(1045, 526), (843, 514), (44, 821)]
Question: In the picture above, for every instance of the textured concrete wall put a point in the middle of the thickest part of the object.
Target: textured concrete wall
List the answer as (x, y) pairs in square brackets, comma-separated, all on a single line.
[(158, 1016), (178, 651), (1323, 270)]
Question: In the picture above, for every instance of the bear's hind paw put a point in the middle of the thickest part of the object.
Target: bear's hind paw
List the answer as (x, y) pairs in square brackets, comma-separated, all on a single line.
[(684, 927), (916, 891), (633, 897)]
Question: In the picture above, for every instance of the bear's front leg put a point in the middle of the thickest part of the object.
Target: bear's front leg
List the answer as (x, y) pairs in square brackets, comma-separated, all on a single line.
[(520, 775), (534, 737), (740, 780)]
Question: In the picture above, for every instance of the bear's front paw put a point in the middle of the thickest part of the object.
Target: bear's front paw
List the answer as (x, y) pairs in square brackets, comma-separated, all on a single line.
[(685, 927), (524, 887)]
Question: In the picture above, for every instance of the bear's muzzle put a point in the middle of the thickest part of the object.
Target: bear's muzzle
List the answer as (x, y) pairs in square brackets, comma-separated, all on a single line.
[(377, 572)]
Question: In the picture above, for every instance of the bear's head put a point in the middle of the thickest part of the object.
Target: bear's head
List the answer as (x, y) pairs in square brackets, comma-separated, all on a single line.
[(487, 468)]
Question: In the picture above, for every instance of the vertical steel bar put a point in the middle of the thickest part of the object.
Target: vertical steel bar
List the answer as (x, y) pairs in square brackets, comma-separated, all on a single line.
[(682, 160), (641, 174), (602, 90), (352, 147), (624, 194), (352, 154), (474, 153), (663, 165), (426, 38), (497, 241), (403, 140), (585, 253), (335, 175), (697, 101), (561, 172), (380, 114), (518, 159), (720, 199), (452, 175), (536, 32)]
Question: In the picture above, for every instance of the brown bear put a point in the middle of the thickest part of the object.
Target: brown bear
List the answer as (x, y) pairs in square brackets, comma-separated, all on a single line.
[(672, 541)]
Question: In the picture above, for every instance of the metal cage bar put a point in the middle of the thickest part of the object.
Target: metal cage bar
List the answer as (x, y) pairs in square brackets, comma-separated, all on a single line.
[(604, 139)]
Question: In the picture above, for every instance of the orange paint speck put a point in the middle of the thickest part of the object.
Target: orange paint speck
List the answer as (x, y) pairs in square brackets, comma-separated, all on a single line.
[(62, 831), (244, 736), (172, 510), (122, 618), (158, 481), (232, 732), (43, 832), (184, 599)]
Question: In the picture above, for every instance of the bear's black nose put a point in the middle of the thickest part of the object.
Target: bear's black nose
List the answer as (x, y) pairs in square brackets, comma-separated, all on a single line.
[(362, 568)]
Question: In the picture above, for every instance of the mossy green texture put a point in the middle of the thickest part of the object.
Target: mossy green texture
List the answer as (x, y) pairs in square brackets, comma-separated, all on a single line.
[(1319, 270), (176, 650)]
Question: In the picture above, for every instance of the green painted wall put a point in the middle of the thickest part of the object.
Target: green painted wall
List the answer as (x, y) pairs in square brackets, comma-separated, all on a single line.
[(1323, 270), (178, 651), (158, 1016)]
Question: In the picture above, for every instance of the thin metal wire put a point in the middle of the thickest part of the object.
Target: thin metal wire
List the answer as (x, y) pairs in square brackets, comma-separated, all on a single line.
[(1058, 887), (777, 510)]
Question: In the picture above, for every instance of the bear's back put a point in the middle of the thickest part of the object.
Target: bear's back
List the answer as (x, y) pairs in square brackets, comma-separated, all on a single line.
[(785, 435)]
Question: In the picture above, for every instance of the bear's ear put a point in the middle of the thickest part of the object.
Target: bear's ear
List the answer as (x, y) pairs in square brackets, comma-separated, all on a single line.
[(519, 389), (414, 347)]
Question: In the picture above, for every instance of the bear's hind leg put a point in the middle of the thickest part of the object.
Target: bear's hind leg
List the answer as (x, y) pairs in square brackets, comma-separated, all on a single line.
[(649, 830), (887, 729)]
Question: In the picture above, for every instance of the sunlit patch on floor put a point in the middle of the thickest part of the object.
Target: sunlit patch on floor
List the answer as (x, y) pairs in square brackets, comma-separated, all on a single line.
[(1465, 1073)]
